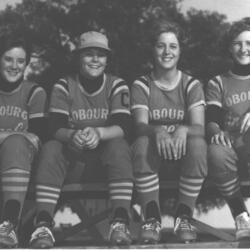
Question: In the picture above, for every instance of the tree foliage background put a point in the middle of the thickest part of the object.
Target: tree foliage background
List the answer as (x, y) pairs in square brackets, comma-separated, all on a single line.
[(54, 26)]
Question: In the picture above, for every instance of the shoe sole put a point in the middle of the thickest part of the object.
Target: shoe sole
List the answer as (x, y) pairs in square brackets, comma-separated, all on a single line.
[(3, 245), (149, 242), (242, 236), (186, 238), (41, 245)]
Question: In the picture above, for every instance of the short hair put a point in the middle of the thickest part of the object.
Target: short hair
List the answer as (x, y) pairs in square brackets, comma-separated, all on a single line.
[(14, 39), (237, 28), (163, 26)]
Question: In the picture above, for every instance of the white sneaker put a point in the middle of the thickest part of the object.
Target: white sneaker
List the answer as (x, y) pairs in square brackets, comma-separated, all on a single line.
[(184, 230), (242, 222), (42, 237), (8, 237), (119, 234)]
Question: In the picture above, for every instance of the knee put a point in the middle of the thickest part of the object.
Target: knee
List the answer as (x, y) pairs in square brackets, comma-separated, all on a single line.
[(51, 148), (221, 159), (15, 141), (117, 146), (140, 147)]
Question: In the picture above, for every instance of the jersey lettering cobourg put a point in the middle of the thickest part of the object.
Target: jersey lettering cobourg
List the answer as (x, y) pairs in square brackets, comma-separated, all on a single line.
[(238, 98), (89, 114), (14, 111)]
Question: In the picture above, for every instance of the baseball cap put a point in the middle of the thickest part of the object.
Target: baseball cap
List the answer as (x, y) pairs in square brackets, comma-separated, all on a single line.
[(93, 39)]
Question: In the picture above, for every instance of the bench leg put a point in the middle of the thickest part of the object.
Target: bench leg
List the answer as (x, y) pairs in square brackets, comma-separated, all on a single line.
[(78, 208), (87, 222)]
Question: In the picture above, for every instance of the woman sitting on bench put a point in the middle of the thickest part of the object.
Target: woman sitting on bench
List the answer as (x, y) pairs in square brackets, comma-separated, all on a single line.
[(22, 119), (90, 116), (168, 108), (228, 115)]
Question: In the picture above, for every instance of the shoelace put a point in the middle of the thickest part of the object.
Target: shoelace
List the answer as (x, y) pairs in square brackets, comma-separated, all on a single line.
[(155, 226), (243, 223), (42, 232), (183, 224), (6, 228), (119, 226)]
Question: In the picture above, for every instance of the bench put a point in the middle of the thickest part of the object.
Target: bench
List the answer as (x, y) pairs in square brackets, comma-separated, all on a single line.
[(73, 194)]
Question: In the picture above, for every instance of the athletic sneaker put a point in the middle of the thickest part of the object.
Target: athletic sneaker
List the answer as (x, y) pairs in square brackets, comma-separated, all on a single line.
[(8, 237), (184, 230), (242, 222), (42, 237), (119, 234), (150, 231)]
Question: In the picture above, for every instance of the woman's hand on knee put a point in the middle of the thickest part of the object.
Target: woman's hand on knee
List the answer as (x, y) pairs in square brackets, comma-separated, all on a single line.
[(165, 144), (180, 141), (222, 138)]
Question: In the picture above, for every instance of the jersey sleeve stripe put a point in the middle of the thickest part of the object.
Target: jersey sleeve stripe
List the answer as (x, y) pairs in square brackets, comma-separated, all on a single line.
[(200, 103), (139, 106), (118, 89), (64, 83), (33, 91), (216, 81), (191, 84), (37, 115), (144, 80), (124, 111), (61, 111), (214, 103), (143, 86), (214, 84), (117, 85), (61, 87)]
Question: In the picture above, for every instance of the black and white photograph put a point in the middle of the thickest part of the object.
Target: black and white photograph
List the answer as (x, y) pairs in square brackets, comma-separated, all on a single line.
[(124, 124)]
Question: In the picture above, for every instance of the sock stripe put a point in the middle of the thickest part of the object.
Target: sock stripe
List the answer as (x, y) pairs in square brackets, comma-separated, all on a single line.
[(47, 194), (49, 188), (148, 190), (16, 189), (43, 200), (120, 197), (120, 190), (229, 183), (149, 183), (121, 184), (190, 187), (15, 179), (146, 178), (16, 171)]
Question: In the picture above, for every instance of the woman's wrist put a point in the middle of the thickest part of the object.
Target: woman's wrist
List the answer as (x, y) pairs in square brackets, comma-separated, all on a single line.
[(99, 131)]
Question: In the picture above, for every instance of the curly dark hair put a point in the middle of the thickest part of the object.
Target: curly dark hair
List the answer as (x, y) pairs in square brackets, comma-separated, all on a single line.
[(162, 26), (237, 28), (14, 38)]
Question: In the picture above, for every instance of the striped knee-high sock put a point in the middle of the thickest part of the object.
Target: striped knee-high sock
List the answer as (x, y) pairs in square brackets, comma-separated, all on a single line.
[(46, 198), (147, 187), (15, 183), (189, 189), (229, 187), (120, 193)]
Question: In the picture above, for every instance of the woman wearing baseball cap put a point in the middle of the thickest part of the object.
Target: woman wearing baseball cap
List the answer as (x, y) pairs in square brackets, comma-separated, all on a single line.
[(90, 117)]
